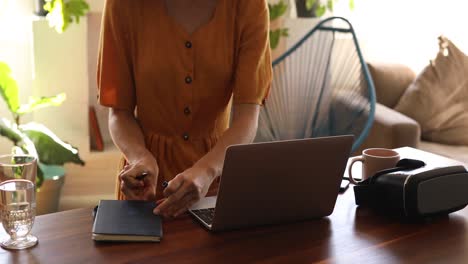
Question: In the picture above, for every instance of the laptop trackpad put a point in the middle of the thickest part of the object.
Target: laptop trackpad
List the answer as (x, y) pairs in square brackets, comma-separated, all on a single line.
[(207, 202)]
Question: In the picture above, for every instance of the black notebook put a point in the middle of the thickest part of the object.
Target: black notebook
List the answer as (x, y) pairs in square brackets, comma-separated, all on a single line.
[(127, 221)]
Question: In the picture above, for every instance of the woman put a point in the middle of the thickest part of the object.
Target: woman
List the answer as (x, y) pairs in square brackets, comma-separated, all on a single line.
[(168, 70)]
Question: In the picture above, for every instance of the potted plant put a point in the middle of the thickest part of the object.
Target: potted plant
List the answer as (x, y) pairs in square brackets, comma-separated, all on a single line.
[(37, 140), (62, 13), (316, 8), (277, 29)]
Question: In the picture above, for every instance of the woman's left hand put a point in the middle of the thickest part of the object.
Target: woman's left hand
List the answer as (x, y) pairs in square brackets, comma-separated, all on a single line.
[(183, 191)]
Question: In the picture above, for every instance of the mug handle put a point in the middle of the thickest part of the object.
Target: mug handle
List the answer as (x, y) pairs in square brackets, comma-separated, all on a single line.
[(350, 174)]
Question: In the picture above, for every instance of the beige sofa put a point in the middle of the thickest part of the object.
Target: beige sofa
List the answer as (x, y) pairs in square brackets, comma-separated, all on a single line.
[(392, 129)]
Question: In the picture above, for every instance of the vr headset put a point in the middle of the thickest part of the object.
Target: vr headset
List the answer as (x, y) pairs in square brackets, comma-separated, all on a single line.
[(414, 190)]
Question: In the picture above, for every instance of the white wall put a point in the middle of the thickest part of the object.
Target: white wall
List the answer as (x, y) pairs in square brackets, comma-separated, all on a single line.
[(399, 31), (96, 5), (16, 50), (15, 43), (406, 31), (61, 65)]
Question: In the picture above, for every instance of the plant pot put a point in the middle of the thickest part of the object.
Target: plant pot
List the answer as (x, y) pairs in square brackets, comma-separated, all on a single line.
[(48, 195), (302, 10), (39, 8)]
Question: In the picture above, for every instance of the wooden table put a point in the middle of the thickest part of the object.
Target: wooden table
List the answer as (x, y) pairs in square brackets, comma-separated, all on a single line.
[(349, 235)]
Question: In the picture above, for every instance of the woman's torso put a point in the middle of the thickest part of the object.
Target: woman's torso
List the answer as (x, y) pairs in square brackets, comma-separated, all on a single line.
[(182, 80)]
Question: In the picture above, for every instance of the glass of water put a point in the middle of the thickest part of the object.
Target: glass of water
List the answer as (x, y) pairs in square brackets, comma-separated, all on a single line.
[(18, 167), (18, 209), (18, 199)]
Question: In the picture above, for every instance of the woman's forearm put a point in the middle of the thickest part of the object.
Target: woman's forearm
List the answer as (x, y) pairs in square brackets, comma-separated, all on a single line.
[(126, 134), (242, 131)]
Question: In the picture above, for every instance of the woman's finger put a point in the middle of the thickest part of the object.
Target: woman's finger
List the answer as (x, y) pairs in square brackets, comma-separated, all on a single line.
[(149, 193), (130, 194), (181, 204), (181, 199), (163, 208), (173, 185), (131, 181), (185, 204), (125, 168), (173, 199), (160, 201)]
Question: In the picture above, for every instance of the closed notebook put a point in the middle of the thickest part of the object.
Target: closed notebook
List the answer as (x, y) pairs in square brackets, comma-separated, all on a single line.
[(127, 221)]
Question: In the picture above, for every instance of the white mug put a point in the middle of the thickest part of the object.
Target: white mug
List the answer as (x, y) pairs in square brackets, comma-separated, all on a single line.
[(374, 160)]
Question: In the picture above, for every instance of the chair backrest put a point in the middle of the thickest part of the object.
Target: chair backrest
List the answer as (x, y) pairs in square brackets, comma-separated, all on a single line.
[(321, 87)]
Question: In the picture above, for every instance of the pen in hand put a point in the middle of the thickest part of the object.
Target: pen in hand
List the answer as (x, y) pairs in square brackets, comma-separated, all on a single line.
[(143, 175), (164, 185)]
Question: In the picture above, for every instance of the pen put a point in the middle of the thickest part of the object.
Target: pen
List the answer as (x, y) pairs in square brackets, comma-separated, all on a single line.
[(164, 185), (144, 174)]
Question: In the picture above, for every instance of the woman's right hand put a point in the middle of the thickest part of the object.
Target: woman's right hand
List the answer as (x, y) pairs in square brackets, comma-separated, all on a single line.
[(143, 189)]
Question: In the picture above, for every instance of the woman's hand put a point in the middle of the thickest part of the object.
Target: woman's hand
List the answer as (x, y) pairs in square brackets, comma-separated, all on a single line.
[(184, 190), (140, 189)]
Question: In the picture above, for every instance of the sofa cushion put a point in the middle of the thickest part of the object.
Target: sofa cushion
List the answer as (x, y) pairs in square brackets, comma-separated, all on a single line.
[(438, 98), (392, 129), (390, 81)]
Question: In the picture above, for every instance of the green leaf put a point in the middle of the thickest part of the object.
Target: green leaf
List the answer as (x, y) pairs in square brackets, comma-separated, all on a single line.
[(320, 11), (64, 12), (274, 38), (39, 177), (51, 149), (277, 10), (23, 145), (8, 88), (310, 4), (56, 16), (330, 4), (36, 103), (76, 9), (9, 131), (19, 139)]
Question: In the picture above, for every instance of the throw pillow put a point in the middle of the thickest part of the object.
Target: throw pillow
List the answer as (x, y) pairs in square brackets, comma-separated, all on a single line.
[(390, 81), (438, 98)]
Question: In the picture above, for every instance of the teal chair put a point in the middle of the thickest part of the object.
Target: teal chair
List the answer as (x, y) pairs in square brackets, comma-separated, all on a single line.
[(321, 87)]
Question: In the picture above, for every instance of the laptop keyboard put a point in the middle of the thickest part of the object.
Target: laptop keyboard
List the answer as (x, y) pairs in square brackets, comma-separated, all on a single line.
[(205, 214)]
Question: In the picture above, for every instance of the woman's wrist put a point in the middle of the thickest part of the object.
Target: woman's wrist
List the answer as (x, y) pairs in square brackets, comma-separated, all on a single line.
[(138, 156), (207, 169)]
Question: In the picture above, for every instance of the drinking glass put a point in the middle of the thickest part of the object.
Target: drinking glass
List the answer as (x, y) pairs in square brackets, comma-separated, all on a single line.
[(17, 199), (18, 209), (18, 167)]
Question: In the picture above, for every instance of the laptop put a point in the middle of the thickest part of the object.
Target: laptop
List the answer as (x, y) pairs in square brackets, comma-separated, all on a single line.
[(276, 182)]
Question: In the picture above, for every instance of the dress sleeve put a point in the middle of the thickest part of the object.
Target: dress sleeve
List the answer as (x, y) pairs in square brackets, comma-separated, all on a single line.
[(114, 75), (253, 73)]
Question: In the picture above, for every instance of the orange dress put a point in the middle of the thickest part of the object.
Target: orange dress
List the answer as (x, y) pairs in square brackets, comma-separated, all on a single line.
[(180, 85)]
